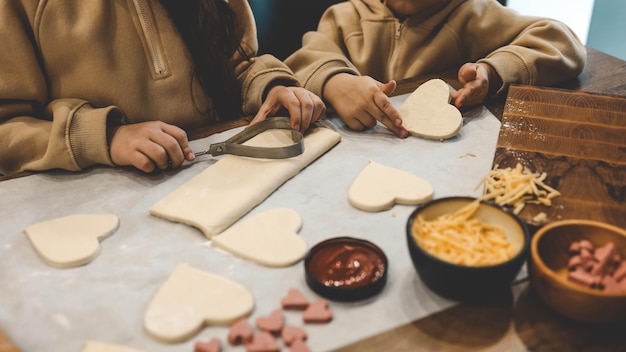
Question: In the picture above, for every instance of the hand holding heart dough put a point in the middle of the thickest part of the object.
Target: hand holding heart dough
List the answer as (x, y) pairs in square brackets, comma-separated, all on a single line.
[(191, 299), (71, 240), (427, 112), (379, 187), (269, 238)]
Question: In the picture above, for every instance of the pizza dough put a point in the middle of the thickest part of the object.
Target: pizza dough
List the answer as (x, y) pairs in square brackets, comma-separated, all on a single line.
[(269, 238), (96, 346), (223, 193), (379, 187), (72, 240), (191, 299), (427, 112)]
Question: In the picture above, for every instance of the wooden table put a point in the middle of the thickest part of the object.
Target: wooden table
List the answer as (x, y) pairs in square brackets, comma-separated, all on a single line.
[(520, 322)]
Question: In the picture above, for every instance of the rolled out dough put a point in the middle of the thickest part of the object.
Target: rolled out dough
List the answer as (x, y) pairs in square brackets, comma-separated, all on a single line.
[(72, 240), (96, 346), (224, 192), (269, 238), (427, 112), (379, 187), (190, 299)]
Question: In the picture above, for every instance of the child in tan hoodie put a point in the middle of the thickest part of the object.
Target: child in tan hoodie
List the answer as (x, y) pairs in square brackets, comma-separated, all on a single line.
[(361, 47), (121, 83)]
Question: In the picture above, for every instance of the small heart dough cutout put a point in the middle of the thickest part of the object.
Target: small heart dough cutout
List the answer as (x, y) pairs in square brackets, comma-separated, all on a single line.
[(269, 238), (72, 240), (427, 112), (379, 187), (190, 299)]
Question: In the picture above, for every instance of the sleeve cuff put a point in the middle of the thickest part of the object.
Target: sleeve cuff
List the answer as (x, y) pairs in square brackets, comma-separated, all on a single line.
[(88, 134)]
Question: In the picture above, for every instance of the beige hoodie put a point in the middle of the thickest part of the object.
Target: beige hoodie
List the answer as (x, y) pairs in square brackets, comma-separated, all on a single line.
[(69, 68), (363, 37)]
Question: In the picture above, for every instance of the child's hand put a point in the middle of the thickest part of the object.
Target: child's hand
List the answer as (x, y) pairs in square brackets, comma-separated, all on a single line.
[(475, 80), (149, 145), (361, 101), (303, 106)]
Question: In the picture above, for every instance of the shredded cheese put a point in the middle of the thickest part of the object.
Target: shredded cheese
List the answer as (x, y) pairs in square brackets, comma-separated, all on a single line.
[(516, 187), (463, 239)]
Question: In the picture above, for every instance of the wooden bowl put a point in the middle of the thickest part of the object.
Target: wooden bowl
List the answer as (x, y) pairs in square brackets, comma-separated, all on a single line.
[(471, 284), (547, 268)]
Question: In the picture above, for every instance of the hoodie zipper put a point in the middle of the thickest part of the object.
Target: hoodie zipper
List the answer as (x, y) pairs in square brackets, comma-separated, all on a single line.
[(394, 50), (149, 34)]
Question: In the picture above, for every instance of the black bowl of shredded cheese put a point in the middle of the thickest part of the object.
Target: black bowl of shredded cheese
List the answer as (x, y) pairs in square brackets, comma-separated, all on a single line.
[(467, 249)]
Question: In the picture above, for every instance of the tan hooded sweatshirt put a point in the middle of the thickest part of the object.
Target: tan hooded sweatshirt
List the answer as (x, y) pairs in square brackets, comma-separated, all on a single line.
[(363, 37), (69, 68)]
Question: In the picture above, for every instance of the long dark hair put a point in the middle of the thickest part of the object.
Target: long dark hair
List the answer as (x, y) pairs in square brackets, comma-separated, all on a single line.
[(209, 29)]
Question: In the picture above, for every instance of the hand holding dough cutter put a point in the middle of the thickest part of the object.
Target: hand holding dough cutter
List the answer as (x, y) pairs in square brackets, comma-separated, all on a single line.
[(234, 145)]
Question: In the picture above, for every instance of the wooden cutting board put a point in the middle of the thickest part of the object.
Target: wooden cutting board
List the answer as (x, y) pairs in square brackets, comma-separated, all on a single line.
[(579, 140)]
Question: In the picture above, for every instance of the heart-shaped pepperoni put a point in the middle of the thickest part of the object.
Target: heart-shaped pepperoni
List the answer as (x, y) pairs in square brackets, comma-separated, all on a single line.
[(214, 345), (240, 332), (272, 323), (317, 312), (263, 342), (294, 300), (299, 346), (291, 334)]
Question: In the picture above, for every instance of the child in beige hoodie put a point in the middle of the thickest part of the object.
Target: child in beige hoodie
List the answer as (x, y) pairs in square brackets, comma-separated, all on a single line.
[(361, 47), (121, 83)]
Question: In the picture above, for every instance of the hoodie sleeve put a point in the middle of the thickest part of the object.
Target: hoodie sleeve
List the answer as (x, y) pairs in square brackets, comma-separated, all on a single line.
[(256, 73), (322, 55), (521, 49), (36, 134)]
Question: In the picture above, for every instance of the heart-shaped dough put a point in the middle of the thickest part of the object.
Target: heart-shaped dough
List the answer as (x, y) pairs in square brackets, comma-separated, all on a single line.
[(191, 299), (427, 112), (269, 238), (379, 187), (97, 346), (72, 240)]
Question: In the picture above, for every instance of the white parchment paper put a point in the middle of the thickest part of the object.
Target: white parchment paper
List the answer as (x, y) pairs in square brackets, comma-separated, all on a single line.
[(48, 309)]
